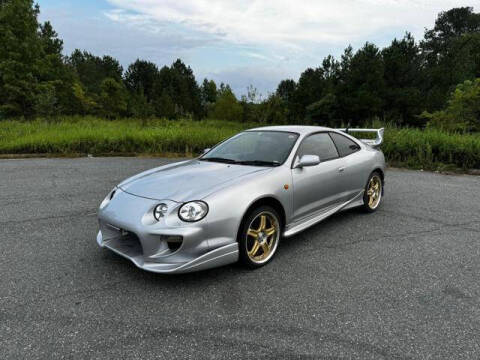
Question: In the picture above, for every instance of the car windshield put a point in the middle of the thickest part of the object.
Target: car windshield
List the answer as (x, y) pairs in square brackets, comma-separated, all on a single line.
[(258, 148)]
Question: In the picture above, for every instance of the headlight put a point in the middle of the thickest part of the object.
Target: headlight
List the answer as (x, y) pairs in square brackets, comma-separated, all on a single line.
[(193, 211), (160, 211), (109, 197)]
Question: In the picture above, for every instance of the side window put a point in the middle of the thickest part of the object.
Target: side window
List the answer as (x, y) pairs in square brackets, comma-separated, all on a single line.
[(318, 144), (344, 145)]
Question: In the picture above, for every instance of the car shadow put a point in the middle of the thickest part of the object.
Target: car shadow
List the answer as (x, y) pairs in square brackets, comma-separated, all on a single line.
[(226, 273), (339, 219)]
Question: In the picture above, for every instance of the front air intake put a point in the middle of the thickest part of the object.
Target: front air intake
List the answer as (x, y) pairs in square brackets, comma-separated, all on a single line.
[(174, 242)]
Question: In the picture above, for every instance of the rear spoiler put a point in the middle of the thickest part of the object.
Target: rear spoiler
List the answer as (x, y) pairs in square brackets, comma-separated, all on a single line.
[(372, 142)]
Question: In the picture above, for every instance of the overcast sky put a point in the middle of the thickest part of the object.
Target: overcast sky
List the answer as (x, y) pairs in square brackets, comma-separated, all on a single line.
[(241, 42)]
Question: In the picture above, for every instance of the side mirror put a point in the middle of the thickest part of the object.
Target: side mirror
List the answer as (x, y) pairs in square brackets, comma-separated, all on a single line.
[(206, 150), (307, 160)]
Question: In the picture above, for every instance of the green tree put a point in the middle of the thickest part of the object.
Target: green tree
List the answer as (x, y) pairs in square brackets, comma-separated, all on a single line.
[(185, 88), (81, 102), (141, 77), (92, 70), (403, 80), (178, 82), (55, 75), (113, 98), (254, 110), (452, 54), (208, 95), (286, 90), (310, 88), (164, 106), (227, 106), (462, 112), (273, 110), (323, 112), (362, 84), (208, 91), (19, 57), (450, 25), (138, 105), (46, 102)]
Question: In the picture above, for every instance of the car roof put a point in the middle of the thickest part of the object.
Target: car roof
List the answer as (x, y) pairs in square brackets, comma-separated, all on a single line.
[(301, 129)]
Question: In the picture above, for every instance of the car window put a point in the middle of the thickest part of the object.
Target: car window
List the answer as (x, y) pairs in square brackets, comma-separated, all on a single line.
[(344, 145), (318, 144), (255, 146)]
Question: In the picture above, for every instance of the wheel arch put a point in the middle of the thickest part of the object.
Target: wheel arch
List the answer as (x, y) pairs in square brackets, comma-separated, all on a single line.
[(264, 201), (382, 177), (381, 172)]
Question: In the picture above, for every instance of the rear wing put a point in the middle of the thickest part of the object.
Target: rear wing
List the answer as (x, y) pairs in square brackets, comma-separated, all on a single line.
[(372, 142)]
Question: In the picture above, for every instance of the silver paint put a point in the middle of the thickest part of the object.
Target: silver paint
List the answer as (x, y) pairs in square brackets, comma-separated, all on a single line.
[(128, 227)]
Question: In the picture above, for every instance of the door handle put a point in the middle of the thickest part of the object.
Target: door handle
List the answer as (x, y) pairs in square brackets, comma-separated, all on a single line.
[(341, 169)]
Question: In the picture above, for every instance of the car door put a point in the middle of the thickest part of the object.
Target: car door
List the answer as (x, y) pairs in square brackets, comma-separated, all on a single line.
[(317, 188), (354, 174)]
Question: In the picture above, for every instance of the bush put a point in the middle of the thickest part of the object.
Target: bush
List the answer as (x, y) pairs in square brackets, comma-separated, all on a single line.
[(462, 112), (414, 148), (227, 107), (431, 149)]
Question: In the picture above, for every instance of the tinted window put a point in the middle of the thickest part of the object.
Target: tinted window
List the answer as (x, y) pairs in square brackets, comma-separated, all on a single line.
[(318, 144), (345, 146)]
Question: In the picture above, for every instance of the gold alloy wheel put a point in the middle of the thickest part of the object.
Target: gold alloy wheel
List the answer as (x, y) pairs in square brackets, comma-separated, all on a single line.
[(262, 237), (374, 191)]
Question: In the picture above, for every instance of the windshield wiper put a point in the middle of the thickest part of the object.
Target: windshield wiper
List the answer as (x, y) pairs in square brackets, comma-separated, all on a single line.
[(259, 163), (219, 159)]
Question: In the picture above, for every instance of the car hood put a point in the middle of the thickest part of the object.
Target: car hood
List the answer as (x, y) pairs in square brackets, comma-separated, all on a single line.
[(184, 181)]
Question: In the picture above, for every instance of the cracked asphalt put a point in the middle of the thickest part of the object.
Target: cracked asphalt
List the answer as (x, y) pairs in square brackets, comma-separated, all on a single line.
[(402, 283)]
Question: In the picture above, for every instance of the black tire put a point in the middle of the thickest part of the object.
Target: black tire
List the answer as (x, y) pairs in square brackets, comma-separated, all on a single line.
[(246, 240), (371, 205)]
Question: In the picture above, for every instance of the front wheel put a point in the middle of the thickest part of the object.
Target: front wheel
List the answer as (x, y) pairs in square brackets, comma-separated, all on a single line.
[(259, 237), (373, 192)]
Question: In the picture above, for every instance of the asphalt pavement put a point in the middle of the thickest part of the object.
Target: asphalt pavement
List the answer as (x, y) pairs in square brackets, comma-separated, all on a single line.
[(402, 283)]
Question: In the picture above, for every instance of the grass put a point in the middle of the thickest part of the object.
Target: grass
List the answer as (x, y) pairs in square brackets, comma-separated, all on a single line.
[(428, 149), (96, 136), (431, 149)]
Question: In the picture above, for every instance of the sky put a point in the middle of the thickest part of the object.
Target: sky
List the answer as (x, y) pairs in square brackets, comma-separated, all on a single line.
[(241, 42)]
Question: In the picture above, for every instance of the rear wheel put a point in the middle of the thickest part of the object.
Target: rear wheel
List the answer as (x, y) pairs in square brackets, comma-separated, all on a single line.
[(259, 237), (373, 192)]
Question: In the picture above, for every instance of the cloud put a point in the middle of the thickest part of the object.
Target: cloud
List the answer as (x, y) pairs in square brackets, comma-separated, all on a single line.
[(285, 23), (245, 42), (127, 37)]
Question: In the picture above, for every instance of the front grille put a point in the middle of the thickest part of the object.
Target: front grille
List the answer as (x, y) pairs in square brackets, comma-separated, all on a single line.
[(130, 239)]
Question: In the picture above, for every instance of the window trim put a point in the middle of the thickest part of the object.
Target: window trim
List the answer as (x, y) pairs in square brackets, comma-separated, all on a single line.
[(311, 134), (331, 137)]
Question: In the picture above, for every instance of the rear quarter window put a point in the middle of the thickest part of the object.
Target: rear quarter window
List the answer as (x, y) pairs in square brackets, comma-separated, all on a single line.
[(344, 145)]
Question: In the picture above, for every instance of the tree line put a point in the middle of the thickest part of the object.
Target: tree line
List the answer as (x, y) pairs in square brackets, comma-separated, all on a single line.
[(407, 83)]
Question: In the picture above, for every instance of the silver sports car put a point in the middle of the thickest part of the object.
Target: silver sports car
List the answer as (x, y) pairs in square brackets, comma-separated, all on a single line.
[(240, 198)]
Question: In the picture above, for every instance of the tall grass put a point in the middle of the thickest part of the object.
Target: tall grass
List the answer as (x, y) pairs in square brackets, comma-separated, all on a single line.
[(431, 149), (96, 136), (428, 149)]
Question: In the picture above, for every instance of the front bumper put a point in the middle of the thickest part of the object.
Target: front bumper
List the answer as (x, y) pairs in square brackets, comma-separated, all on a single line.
[(126, 230)]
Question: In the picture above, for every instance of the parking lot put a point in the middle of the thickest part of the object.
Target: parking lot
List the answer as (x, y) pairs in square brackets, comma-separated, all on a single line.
[(400, 283)]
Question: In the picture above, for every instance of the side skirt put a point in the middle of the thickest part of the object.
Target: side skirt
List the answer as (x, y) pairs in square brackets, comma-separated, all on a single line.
[(299, 226)]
